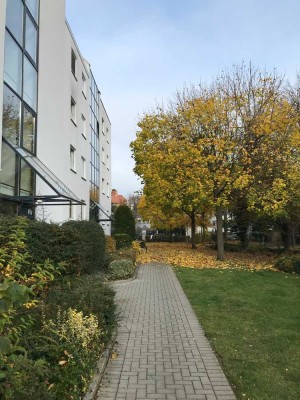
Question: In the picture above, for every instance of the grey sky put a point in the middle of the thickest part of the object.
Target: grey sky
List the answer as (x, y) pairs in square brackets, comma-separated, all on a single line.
[(142, 51)]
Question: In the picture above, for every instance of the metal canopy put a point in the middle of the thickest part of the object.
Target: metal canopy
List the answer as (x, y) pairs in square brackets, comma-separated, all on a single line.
[(63, 193), (109, 218)]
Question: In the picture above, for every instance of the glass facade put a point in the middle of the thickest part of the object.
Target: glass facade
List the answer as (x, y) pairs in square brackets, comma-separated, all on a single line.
[(19, 95), (95, 157)]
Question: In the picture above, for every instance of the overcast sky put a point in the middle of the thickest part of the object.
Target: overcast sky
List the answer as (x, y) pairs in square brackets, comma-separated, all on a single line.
[(141, 51)]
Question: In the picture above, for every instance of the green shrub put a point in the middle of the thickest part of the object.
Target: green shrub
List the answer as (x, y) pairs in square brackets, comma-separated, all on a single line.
[(124, 222), (91, 245), (122, 240), (121, 269), (288, 264), (54, 242), (89, 294)]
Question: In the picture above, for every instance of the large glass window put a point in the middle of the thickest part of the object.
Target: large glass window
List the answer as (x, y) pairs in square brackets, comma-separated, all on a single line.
[(33, 6), (26, 180), (13, 64), (30, 84), (31, 38), (8, 174), (28, 131), (14, 18), (11, 116)]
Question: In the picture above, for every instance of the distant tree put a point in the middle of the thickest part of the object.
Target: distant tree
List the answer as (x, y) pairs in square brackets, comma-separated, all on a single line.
[(124, 221)]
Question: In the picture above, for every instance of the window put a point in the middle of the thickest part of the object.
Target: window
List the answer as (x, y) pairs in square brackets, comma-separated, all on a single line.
[(83, 85), (72, 159), (14, 18), (30, 84), (28, 139), (83, 168), (11, 116), (33, 6), (73, 63), (103, 186), (73, 110), (107, 161), (103, 155), (31, 38), (13, 64), (103, 131), (107, 189), (83, 125)]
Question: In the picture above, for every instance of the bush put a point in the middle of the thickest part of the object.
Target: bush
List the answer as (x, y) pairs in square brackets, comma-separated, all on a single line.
[(121, 269), (122, 240), (89, 294), (110, 244), (91, 245), (124, 222), (288, 264), (54, 242)]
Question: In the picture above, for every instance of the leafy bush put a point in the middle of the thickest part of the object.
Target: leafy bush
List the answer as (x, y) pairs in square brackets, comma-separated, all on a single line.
[(122, 240), (121, 269), (91, 245), (110, 244), (54, 242), (124, 222), (288, 264), (89, 294)]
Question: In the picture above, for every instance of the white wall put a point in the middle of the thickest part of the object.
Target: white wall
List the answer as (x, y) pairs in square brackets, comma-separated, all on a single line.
[(105, 167), (2, 36), (56, 132)]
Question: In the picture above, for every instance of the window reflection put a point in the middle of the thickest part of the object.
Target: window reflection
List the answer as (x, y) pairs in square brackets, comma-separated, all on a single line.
[(30, 38), (8, 173), (30, 84), (26, 181), (12, 64), (28, 131), (14, 18), (11, 116)]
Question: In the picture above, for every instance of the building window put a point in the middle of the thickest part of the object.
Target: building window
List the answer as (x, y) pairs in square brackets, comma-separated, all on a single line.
[(30, 84), (107, 189), (73, 110), (107, 162), (72, 159), (13, 64), (33, 6), (31, 38), (28, 137), (73, 63), (83, 125), (14, 18), (103, 155), (83, 168), (103, 186), (84, 85), (103, 130)]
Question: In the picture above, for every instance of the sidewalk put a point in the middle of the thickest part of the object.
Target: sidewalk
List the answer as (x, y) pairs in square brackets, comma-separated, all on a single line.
[(162, 350)]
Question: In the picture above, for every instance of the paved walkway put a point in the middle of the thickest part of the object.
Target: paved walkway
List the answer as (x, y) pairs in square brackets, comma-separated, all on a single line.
[(162, 350)]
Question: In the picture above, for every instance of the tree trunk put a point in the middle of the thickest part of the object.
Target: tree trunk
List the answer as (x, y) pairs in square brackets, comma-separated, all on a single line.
[(220, 239), (193, 229)]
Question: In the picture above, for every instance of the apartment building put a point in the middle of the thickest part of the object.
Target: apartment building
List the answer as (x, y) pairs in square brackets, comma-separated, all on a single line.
[(54, 130)]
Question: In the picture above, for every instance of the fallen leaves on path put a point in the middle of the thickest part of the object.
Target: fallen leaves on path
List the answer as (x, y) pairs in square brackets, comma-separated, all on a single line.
[(182, 255)]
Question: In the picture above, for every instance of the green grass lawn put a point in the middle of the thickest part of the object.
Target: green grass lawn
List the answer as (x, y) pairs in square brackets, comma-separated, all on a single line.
[(252, 320)]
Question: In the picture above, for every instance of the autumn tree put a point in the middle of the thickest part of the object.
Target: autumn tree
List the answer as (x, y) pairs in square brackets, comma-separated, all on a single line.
[(212, 141)]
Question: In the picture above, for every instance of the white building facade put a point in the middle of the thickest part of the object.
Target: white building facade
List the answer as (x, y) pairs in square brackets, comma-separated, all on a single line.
[(54, 126)]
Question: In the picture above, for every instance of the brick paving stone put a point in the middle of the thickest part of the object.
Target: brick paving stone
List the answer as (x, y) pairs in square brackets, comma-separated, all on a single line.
[(162, 350)]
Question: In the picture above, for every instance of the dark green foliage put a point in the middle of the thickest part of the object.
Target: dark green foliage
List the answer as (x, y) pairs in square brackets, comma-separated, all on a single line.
[(58, 243), (87, 294), (91, 245), (121, 269), (124, 221), (122, 240), (289, 264)]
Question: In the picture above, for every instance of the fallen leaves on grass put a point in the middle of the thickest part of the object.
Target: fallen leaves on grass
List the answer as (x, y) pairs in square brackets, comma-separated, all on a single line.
[(181, 255)]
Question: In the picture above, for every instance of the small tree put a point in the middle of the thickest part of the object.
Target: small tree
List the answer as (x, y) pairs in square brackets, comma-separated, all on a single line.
[(124, 221)]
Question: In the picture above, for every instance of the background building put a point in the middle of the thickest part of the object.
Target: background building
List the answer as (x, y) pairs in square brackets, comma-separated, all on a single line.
[(54, 130)]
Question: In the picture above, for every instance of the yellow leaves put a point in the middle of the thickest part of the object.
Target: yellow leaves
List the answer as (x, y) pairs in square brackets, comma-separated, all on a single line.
[(181, 255)]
